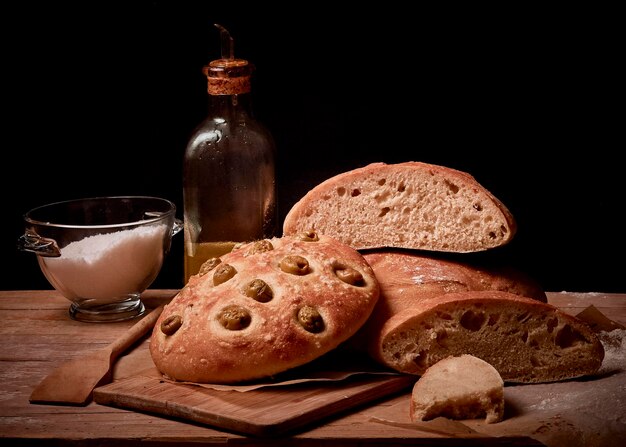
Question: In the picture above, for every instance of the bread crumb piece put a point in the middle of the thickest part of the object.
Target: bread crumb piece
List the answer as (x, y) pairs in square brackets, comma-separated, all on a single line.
[(463, 387)]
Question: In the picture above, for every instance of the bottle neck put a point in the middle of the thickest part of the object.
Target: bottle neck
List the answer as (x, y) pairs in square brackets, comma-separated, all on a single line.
[(231, 105)]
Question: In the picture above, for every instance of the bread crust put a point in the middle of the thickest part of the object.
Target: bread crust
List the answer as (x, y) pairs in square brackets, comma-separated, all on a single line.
[(526, 340), (202, 349), (411, 205)]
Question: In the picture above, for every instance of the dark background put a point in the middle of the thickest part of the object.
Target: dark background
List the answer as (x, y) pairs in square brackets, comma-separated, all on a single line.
[(100, 97)]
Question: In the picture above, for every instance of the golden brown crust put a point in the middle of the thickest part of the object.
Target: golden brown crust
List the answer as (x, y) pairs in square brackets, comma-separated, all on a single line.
[(237, 330)]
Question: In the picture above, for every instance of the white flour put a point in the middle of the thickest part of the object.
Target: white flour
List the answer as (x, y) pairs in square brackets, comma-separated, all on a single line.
[(108, 265)]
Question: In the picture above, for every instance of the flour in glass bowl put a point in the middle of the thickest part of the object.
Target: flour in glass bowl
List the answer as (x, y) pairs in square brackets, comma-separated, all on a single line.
[(108, 265)]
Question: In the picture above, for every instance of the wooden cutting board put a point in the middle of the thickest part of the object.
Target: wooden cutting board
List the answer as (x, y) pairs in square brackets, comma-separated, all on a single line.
[(263, 412)]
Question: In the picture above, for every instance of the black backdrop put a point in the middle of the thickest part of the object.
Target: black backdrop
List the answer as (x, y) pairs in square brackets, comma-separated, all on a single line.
[(99, 99)]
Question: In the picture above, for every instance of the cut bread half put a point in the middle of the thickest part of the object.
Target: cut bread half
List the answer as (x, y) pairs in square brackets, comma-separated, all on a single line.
[(406, 205), (408, 277), (462, 387), (526, 340)]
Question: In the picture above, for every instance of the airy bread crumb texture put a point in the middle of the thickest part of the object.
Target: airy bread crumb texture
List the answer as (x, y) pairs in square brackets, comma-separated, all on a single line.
[(407, 205), (525, 340), (462, 387)]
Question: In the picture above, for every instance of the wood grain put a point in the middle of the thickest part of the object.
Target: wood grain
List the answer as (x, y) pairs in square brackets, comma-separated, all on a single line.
[(263, 412), (36, 335)]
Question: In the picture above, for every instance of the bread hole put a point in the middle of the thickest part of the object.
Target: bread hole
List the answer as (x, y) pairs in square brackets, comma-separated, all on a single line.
[(551, 324), (355, 192), (536, 362), (525, 336), (441, 338), (381, 182), (472, 321), (492, 235), (493, 319), (401, 187), (444, 315), (384, 211), (478, 207), (503, 230), (534, 344), (341, 191), (524, 317), (406, 210), (421, 359), (326, 197), (452, 187), (567, 337)]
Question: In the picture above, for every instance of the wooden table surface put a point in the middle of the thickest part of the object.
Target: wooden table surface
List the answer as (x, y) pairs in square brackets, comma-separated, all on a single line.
[(36, 335)]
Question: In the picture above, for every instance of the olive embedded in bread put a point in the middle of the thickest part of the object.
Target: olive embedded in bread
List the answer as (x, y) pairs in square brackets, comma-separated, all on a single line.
[(171, 324), (310, 319), (348, 275), (209, 265), (258, 290), (261, 247), (223, 273), (309, 236), (234, 318), (294, 264)]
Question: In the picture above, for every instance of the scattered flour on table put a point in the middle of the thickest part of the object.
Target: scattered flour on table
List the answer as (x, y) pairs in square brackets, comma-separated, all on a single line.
[(108, 265), (614, 343), (613, 365)]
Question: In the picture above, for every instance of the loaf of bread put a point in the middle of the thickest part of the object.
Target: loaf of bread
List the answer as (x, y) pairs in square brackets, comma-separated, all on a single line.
[(526, 340), (462, 387), (406, 205), (264, 308), (407, 277)]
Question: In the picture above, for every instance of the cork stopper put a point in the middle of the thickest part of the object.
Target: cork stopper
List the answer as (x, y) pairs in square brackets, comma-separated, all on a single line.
[(227, 75)]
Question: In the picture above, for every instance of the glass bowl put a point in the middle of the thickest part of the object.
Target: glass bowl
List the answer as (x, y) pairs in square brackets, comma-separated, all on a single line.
[(101, 253)]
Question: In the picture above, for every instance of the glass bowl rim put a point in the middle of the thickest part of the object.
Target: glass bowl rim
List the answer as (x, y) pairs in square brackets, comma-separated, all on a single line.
[(166, 214)]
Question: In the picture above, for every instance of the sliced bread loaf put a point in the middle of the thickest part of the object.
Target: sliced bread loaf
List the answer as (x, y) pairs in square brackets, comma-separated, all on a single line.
[(524, 339), (462, 387), (407, 277), (406, 205)]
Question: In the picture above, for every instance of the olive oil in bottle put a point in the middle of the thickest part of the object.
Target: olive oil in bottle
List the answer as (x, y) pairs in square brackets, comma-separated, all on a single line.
[(229, 193)]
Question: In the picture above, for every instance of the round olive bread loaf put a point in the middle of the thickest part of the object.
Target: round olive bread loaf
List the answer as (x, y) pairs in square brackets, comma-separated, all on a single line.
[(266, 307)]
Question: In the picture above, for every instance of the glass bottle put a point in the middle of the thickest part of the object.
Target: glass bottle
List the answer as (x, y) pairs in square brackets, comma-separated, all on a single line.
[(229, 193)]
